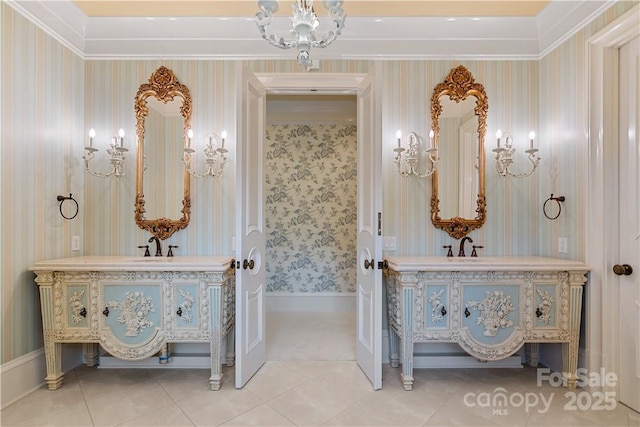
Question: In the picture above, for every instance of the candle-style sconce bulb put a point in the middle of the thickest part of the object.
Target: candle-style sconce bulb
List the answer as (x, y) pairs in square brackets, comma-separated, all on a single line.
[(214, 158), (115, 151), (504, 155), (407, 163)]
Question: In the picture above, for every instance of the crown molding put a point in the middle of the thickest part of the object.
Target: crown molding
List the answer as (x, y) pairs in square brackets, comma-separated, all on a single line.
[(364, 38)]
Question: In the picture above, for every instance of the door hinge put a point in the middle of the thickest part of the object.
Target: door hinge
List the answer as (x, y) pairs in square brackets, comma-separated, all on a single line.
[(383, 265), (379, 223)]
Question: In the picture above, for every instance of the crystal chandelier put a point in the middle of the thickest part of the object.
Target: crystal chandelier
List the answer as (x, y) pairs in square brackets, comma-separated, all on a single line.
[(304, 22)]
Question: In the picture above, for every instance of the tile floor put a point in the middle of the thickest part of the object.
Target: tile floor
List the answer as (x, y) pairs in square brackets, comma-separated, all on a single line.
[(311, 392)]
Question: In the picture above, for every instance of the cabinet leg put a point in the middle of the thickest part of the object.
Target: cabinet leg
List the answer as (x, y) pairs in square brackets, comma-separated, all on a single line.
[(53, 355), (407, 338), (394, 357), (569, 365), (231, 347), (407, 382), (91, 355), (215, 382), (570, 349), (533, 354)]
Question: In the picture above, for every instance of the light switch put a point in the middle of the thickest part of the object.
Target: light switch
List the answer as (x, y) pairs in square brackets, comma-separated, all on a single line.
[(75, 243)]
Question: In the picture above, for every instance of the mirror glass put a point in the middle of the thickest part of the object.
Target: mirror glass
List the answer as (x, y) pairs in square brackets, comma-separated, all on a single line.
[(163, 117), (164, 143), (459, 112), (458, 158)]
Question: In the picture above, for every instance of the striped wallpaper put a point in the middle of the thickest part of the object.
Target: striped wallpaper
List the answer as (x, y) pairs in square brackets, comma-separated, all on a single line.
[(50, 99)]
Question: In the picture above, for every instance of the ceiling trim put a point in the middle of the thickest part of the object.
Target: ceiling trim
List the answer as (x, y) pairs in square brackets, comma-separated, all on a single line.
[(236, 38)]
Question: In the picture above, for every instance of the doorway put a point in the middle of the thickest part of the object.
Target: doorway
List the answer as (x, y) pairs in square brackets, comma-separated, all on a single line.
[(250, 336), (310, 226), (611, 339)]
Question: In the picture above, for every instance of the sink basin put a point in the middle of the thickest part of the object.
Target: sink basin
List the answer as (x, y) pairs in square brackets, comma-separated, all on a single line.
[(462, 259), (150, 260)]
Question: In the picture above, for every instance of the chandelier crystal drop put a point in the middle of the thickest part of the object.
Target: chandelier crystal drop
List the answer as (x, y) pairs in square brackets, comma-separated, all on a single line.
[(304, 24)]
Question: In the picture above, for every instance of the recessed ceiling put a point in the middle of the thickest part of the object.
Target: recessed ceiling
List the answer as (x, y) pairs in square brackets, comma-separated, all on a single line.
[(374, 29)]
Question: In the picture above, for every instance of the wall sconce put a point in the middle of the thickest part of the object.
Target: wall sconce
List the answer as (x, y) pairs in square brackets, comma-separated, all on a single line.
[(116, 152), (214, 156), (504, 155), (409, 164)]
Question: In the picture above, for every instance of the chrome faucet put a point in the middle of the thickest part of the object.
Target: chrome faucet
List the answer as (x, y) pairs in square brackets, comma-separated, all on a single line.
[(464, 239), (158, 246)]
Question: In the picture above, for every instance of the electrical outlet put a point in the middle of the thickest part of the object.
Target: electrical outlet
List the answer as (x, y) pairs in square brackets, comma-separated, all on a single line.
[(75, 243), (389, 243), (563, 245)]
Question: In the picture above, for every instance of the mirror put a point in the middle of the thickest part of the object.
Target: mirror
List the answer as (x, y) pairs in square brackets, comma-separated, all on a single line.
[(459, 115), (163, 118)]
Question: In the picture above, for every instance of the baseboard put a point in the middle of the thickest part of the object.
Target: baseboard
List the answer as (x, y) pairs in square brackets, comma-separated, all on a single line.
[(25, 374), (22, 376), (310, 302)]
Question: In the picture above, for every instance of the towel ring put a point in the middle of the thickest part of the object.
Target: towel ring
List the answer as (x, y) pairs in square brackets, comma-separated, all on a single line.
[(62, 199), (557, 200)]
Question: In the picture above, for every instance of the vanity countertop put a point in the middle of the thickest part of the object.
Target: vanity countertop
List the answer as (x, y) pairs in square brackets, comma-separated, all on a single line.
[(501, 263), (136, 263)]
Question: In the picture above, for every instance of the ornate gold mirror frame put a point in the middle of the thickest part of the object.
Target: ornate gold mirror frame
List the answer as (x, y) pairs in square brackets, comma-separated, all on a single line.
[(458, 86), (164, 87)]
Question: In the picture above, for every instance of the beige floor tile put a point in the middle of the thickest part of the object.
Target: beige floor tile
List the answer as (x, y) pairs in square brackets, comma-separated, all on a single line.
[(63, 415), (273, 379), (217, 407), (170, 416), (315, 402), (127, 402), (263, 415)]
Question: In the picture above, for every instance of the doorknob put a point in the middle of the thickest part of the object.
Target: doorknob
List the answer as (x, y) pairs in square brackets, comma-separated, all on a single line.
[(368, 264), (622, 270), (248, 264)]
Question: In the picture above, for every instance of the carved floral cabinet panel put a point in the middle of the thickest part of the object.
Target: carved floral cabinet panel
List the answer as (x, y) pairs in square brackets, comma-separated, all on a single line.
[(134, 309), (490, 307)]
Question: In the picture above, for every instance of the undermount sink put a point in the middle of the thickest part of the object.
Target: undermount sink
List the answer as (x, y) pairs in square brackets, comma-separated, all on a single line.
[(462, 259), (151, 259)]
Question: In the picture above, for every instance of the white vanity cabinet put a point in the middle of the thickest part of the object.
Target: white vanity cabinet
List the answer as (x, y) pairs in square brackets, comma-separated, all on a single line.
[(133, 307), (490, 306)]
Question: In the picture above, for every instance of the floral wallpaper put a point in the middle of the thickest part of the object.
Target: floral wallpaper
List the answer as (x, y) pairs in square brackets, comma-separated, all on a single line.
[(311, 208)]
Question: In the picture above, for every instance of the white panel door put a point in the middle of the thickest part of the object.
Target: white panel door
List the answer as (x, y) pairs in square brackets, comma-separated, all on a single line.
[(629, 225), (250, 238), (369, 278)]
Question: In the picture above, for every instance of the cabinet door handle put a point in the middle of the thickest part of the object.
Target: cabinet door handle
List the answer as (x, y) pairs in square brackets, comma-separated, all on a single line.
[(443, 311), (538, 312), (83, 312), (179, 312), (106, 311), (466, 312)]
